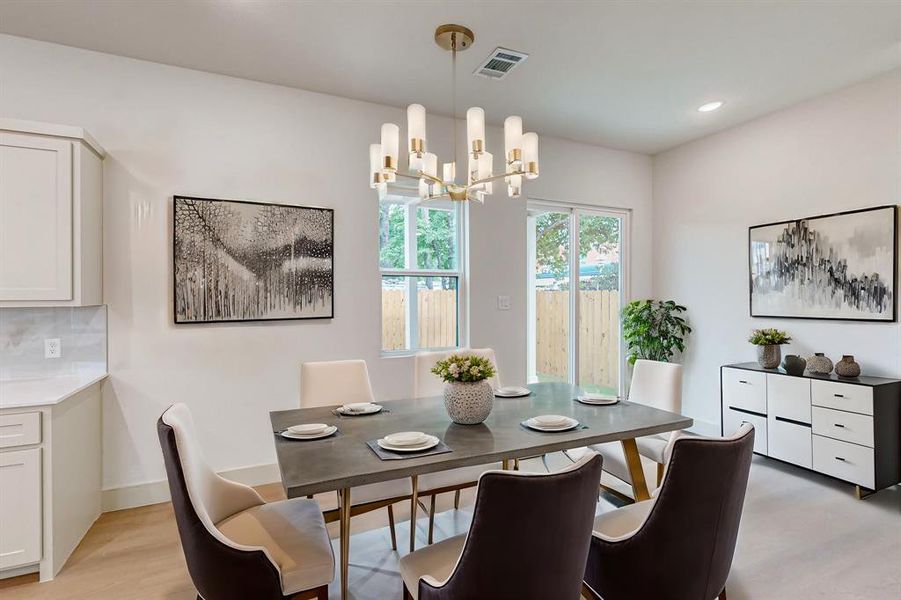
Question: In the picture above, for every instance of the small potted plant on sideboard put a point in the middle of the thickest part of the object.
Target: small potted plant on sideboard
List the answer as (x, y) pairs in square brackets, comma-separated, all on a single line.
[(769, 346)]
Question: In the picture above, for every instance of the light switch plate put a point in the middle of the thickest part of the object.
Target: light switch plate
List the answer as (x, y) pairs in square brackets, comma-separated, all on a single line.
[(503, 302)]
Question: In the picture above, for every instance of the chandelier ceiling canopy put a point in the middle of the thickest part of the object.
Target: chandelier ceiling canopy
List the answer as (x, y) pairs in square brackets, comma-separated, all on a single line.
[(520, 149)]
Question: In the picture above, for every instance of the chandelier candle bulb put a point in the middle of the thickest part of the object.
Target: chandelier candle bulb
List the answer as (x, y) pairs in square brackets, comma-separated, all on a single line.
[(514, 186), (513, 141), (475, 130), (449, 172), (390, 142), (486, 166), (416, 129), (530, 155), (375, 165)]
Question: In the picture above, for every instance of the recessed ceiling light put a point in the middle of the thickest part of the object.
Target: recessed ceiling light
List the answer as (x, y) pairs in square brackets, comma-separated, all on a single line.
[(710, 106)]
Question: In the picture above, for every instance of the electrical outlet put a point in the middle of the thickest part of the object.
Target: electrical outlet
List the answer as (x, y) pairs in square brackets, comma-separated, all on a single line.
[(503, 302), (52, 348)]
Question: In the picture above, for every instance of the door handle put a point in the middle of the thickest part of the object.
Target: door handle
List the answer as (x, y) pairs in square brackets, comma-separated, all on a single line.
[(840, 458), (839, 395), (839, 425)]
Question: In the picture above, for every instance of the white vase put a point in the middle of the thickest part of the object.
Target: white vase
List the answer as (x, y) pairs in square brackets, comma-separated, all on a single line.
[(468, 403)]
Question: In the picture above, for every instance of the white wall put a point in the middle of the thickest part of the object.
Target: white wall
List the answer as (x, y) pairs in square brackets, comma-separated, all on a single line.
[(175, 131), (834, 153)]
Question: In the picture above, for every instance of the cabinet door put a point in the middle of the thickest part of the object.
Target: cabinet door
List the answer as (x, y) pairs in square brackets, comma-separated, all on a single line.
[(20, 508), (788, 397), (35, 218), (744, 389), (789, 441)]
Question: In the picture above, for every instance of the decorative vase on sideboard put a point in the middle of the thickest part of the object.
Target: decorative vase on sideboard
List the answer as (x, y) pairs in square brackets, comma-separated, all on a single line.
[(794, 364), (769, 355), (847, 367), (468, 403), (819, 364)]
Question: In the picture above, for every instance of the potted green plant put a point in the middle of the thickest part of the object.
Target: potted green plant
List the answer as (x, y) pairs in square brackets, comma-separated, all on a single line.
[(769, 346), (468, 397), (654, 329)]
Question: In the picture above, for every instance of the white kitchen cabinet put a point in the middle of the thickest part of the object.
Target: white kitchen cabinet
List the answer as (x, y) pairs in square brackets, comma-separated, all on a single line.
[(20, 508), (51, 230), (50, 474)]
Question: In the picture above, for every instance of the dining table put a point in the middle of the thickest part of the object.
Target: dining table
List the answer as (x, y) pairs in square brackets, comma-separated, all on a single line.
[(344, 460)]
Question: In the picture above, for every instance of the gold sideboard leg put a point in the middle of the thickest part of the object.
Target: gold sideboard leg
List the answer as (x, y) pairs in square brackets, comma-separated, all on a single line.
[(863, 492)]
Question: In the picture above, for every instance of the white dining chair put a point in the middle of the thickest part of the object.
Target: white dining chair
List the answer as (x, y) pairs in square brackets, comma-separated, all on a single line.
[(333, 383), (655, 384), (426, 385)]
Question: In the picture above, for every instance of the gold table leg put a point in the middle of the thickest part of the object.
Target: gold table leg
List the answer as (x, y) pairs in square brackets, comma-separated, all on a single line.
[(345, 538), (636, 472), (413, 501)]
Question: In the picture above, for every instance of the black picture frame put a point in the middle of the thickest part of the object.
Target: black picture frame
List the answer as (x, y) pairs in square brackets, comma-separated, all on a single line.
[(893, 278), (175, 240)]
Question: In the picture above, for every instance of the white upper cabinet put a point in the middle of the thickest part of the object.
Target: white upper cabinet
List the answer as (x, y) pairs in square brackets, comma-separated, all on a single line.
[(50, 215)]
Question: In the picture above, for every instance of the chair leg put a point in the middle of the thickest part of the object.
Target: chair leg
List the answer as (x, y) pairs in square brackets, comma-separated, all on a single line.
[(413, 500), (660, 469), (516, 464), (407, 594), (457, 500), (391, 527), (722, 595), (431, 518)]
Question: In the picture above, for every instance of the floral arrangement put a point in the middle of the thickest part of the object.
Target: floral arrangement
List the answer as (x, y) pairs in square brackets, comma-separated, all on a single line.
[(769, 337), (465, 368)]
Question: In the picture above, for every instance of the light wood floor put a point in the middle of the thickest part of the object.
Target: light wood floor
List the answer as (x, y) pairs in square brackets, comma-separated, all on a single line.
[(135, 554), (803, 537)]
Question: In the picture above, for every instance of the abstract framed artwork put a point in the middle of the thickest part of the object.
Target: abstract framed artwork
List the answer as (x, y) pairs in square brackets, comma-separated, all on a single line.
[(251, 261), (837, 266)]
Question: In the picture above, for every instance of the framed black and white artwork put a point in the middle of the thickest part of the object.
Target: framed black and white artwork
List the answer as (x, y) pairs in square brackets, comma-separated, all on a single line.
[(838, 266), (251, 261)]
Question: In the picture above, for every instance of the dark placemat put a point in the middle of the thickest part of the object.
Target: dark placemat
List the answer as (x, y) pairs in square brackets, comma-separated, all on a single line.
[(383, 454), (578, 427)]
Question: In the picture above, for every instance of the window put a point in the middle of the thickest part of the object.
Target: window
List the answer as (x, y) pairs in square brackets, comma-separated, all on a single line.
[(421, 265), (573, 321)]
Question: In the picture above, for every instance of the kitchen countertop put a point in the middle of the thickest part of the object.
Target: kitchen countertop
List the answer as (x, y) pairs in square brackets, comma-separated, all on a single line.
[(44, 391)]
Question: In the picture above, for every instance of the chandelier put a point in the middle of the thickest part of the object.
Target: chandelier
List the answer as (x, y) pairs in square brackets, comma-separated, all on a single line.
[(520, 149)]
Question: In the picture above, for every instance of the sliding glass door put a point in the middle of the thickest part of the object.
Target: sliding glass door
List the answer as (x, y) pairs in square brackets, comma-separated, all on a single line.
[(576, 288)]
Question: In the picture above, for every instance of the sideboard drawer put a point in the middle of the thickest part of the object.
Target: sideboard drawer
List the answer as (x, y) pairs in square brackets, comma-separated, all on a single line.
[(842, 396), (841, 425), (789, 441), (788, 397), (849, 462), (744, 389), (20, 429), (733, 419)]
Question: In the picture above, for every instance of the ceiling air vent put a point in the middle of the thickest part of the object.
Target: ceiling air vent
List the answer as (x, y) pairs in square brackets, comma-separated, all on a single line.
[(499, 63)]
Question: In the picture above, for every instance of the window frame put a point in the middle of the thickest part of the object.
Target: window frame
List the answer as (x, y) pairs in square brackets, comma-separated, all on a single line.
[(410, 200)]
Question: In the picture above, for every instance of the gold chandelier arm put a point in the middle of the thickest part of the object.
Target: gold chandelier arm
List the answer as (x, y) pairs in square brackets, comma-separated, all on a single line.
[(431, 178), (407, 175), (493, 177)]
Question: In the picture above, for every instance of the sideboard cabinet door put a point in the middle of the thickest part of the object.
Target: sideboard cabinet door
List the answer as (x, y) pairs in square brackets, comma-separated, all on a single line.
[(35, 218)]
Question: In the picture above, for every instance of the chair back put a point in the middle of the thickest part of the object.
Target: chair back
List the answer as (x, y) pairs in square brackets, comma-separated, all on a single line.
[(426, 384), (334, 382), (219, 567), (529, 536), (657, 384), (684, 549)]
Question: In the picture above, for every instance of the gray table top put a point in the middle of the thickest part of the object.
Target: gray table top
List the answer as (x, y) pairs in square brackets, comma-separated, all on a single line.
[(344, 460)]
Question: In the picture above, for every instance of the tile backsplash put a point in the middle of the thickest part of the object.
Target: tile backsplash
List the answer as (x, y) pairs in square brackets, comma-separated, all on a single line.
[(81, 331)]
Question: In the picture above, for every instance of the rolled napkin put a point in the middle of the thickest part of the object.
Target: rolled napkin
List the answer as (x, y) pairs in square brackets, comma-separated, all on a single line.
[(551, 420), (307, 429), (406, 438), (358, 407)]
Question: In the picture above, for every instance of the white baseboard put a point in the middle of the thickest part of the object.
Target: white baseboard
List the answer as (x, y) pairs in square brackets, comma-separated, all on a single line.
[(154, 492)]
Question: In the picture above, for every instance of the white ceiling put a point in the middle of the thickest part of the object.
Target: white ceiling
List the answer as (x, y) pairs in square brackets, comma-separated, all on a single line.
[(621, 74)]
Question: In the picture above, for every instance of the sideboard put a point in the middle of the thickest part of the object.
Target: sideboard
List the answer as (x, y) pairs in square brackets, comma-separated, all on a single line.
[(847, 428)]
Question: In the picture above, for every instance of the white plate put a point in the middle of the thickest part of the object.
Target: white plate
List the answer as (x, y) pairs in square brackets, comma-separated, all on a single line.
[(328, 431), (406, 438), (307, 429), (571, 425), (431, 442), (373, 408), (597, 401), (512, 391)]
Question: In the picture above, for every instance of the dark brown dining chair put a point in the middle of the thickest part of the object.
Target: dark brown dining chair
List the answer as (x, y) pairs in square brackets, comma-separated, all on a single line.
[(236, 545), (679, 544), (528, 535)]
